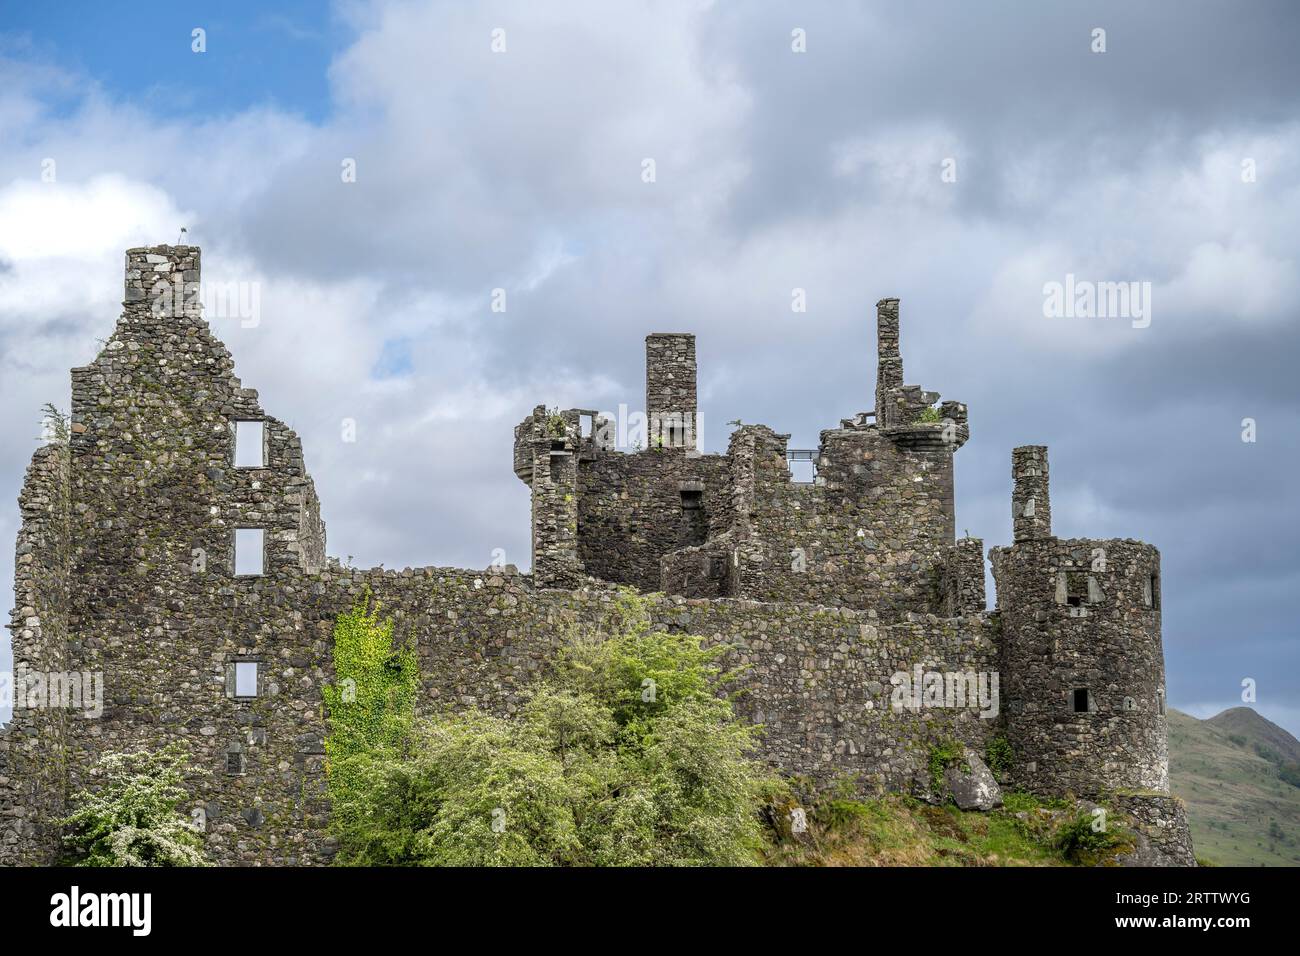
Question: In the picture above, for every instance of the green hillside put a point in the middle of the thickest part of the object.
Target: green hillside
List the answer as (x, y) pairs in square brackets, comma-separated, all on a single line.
[(1231, 771)]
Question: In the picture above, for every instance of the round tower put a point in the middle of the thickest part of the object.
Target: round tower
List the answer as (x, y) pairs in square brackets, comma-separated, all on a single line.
[(1083, 667)]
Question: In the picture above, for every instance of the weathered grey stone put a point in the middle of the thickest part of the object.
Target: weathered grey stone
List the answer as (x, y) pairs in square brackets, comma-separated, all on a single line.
[(971, 784)]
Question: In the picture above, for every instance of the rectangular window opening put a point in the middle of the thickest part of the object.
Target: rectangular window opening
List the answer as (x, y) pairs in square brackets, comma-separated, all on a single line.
[(586, 424), (1080, 700), (802, 463), (249, 546), (1076, 583), (234, 762), (246, 678), (250, 445)]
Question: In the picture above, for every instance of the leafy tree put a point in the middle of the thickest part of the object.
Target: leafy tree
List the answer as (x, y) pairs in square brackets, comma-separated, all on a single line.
[(626, 754), (133, 818)]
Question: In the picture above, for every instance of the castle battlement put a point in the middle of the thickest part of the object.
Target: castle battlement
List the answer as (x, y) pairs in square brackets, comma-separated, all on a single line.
[(173, 544)]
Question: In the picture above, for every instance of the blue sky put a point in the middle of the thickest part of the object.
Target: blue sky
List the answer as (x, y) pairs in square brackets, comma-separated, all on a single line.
[(820, 170), (258, 55)]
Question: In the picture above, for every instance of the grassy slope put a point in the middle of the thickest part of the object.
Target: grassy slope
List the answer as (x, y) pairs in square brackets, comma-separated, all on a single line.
[(899, 831), (1232, 794)]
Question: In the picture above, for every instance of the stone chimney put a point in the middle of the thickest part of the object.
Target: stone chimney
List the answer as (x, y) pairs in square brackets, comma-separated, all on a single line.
[(889, 361), (1031, 507), (670, 399), (163, 280)]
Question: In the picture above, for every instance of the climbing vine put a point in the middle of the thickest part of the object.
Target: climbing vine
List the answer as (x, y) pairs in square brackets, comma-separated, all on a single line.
[(371, 705)]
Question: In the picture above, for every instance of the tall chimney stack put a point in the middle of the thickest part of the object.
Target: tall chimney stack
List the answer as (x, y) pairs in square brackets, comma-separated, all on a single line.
[(889, 361), (1031, 507)]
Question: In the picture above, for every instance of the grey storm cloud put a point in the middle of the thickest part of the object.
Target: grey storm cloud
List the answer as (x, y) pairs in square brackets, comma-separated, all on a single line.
[(775, 171)]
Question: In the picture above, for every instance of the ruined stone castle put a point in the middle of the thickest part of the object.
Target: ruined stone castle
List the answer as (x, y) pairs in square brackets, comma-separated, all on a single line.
[(173, 544)]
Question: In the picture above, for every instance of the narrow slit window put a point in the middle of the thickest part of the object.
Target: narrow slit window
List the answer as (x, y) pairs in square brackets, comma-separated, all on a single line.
[(250, 449), (558, 454), (1080, 696), (246, 678), (234, 762), (248, 551)]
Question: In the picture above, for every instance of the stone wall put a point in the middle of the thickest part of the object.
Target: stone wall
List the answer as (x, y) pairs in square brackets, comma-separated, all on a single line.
[(817, 678), (961, 583), (870, 532), (873, 530), (1164, 838), (633, 509), (33, 746)]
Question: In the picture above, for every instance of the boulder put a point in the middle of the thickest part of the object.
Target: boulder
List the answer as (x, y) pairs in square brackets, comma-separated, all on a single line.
[(970, 783)]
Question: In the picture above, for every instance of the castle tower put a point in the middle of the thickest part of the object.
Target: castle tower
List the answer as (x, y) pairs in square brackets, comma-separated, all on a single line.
[(1082, 663), (670, 398), (546, 457)]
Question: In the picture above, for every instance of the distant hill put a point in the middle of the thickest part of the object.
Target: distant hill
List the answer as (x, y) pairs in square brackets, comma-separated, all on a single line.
[(1232, 771), (1244, 722)]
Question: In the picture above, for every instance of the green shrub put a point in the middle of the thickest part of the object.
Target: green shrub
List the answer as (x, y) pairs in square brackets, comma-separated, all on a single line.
[(840, 814), (133, 817), (943, 755), (1016, 801), (1290, 773), (999, 756), (1080, 841), (624, 755), (1268, 753), (556, 425)]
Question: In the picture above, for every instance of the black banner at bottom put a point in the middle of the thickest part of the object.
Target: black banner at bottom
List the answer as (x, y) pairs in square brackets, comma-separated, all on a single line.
[(336, 905)]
